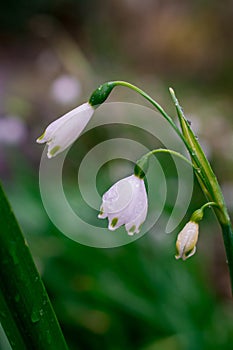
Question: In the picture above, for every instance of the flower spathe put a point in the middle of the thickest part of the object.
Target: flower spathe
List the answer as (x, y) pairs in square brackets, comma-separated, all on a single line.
[(125, 203), (61, 133), (187, 240)]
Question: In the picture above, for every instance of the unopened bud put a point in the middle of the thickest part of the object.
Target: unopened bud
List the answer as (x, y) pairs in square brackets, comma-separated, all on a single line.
[(101, 94), (187, 240)]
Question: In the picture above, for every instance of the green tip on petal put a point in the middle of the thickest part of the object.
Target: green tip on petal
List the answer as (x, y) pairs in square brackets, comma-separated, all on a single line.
[(41, 137), (114, 222), (132, 229), (54, 150)]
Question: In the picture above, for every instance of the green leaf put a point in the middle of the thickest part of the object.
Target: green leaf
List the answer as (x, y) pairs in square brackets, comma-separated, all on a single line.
[(26, 313), (206, 176)]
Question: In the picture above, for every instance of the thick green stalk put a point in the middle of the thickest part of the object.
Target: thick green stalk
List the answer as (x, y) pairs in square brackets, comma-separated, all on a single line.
[(227, 232), (210, 185), (26, 313), (213, 192)]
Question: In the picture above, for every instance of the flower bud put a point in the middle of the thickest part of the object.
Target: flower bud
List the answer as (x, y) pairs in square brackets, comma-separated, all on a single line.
[(101, 94), (187, 240)]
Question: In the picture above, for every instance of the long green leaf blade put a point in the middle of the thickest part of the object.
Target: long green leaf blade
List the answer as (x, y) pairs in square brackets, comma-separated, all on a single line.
[(22, 290)]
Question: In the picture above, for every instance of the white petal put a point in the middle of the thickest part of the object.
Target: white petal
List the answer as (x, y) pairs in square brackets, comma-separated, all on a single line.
[(119, 196), (139, 203), (134, 226)]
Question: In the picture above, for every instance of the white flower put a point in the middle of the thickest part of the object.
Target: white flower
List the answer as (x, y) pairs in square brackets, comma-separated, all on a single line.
[(61, 133), (125, 203), (187, 240)]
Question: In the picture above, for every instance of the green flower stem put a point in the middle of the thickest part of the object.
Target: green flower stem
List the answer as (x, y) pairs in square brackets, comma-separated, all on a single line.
[(153, 102), (142, 164), (166, 116), (26, 313), (210, 185), (177, 154), (205, 174), (198, 214), (203, 169), (208, 205), (210, 180), (227, 232)]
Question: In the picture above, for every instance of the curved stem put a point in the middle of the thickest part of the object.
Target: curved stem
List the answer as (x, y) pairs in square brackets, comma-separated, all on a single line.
[(208, 205), (154, 103), (210, 181), (214, 190), (198, 214), (142, 164), (177, 154), (170, 121), (203, 169)]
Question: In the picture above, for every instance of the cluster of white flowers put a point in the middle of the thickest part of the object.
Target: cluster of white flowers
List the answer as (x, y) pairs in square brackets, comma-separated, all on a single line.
[(126, 202)]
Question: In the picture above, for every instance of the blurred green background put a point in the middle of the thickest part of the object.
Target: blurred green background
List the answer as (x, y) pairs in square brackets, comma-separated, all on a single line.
[(53, 54)]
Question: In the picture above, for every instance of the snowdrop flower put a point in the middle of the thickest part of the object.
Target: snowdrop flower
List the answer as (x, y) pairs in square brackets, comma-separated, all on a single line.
[(187, 240), (125, 203), (61, 133)]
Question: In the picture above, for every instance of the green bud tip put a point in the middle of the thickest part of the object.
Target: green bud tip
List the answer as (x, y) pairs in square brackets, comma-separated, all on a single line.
[(101, 94), (197, 215), (141, 167)]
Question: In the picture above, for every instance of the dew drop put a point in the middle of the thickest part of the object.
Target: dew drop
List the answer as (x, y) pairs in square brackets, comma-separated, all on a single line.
[(35, 316)]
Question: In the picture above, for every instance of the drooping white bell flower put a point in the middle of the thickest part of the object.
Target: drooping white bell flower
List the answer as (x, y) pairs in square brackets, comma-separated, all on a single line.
[(61, 133), (187, 240), (125, 203)]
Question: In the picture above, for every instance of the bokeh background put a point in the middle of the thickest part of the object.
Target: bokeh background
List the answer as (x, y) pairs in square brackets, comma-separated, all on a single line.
[(53, 54)]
